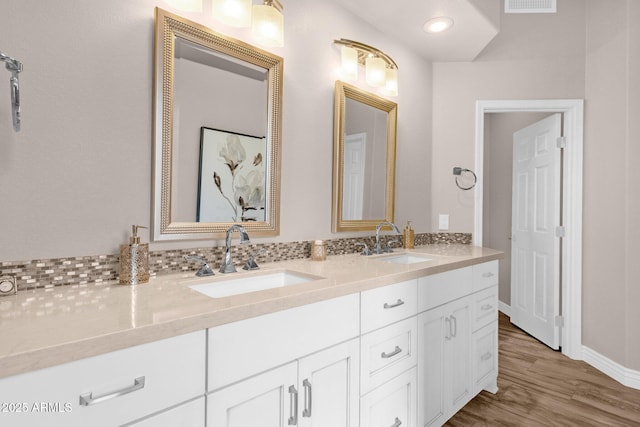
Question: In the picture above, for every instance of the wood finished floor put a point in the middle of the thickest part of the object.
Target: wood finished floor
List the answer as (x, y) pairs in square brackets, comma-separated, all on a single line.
[(542, 387)]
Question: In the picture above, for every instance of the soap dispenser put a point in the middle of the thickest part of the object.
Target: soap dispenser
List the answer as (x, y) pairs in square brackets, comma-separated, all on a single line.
[(408, 237), (134, 260)]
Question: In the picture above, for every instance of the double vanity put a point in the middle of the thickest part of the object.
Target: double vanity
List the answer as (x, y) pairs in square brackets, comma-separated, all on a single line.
[(401, 339)]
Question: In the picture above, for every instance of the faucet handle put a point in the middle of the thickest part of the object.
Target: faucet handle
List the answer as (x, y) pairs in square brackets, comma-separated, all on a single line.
[(204, 270), (366, 250), (388, 247), (251, 262)]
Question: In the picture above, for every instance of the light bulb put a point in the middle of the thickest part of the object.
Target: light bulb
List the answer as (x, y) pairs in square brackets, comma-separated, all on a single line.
[(235, 13), (375, 71), (349, 63), (267, 25), (391, 83), (438, 24)]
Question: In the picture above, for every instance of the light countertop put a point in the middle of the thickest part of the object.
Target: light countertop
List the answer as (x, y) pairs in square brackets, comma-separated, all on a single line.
[(46, 327)]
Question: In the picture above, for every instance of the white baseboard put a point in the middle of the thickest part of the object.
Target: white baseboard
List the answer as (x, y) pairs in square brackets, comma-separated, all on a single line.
[(505, 308), (624, 376)]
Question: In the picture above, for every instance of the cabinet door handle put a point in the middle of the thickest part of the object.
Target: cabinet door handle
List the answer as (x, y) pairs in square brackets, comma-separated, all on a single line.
[(487, 275), (485, 356), (447, 328), (394, 305), (307, 398), (396, 351), (88, 399), (293, 405), (398, 423), (486, 307), (454, 326)]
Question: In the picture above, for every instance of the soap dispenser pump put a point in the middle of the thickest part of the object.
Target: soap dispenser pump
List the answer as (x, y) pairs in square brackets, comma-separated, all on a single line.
[(134, 260), (408, 236)]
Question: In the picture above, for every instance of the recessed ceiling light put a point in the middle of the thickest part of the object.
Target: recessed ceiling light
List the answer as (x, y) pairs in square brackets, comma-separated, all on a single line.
[(438, 24)]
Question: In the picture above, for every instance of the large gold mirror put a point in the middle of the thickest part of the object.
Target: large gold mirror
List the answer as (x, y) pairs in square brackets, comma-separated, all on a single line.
[(364, 159), (217, 133)]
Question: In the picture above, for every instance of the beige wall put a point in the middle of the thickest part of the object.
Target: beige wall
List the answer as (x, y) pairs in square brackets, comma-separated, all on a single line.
[(589, 50), (79, 173), (611, 197)]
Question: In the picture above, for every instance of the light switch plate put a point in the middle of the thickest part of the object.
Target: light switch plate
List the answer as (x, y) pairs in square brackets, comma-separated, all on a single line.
[(443, 222)]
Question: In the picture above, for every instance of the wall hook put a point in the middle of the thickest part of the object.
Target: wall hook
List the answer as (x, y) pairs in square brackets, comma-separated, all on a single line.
[(457, 171), (15, 67)]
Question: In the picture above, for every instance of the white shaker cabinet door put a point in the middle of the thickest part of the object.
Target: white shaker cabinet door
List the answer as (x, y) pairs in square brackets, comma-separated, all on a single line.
[(328, 384), (393, 404), (445, 382), (269, 399)]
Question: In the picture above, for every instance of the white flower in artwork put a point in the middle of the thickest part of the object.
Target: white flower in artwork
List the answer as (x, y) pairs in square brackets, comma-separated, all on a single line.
[(248, 187)]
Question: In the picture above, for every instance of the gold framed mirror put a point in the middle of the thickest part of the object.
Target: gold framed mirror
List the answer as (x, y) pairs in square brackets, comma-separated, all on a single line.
[(217, 133), (364, 159)]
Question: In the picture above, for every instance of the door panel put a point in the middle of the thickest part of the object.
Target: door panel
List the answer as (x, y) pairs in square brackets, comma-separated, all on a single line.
[(535, 265)]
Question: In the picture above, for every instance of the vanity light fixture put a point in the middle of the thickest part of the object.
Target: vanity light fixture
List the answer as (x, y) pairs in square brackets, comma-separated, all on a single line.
[(234, 13), (380, 69), (438, 24), (267, 23)]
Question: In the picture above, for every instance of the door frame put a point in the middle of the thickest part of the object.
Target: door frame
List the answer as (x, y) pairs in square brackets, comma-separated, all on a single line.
[(572, 164)]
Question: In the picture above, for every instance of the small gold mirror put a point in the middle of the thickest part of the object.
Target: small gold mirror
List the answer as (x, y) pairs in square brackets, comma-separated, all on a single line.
[(217, 132), (364, 159)]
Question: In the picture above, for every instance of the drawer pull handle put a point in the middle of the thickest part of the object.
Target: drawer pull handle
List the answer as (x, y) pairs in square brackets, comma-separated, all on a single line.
[(306, 412), (293, 405), (454, 326), (485, 356), (486, 307), (398, 423), (394, 305), (88, 399), (487, 275), (395, 352)]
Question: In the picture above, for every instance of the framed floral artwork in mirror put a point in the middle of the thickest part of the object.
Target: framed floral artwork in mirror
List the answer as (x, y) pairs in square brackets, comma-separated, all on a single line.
[(231, 177)]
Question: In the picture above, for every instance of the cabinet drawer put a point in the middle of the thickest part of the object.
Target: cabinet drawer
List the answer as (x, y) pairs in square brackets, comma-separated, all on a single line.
[(391, 404), (387, 352), (485, 275), (191, 414), (441, 288), (485, 356), (241, 349), (485, 307), (389, 304), (173, 371)]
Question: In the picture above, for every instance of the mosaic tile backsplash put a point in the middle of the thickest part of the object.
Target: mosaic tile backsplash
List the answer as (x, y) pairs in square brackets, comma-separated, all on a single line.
[(47, 273)]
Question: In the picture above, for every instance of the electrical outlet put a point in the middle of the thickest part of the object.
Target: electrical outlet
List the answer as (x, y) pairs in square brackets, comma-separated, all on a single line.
[(443, 222)]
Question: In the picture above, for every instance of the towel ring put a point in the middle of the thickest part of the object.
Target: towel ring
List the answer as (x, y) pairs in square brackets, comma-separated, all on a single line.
[(457, 171)]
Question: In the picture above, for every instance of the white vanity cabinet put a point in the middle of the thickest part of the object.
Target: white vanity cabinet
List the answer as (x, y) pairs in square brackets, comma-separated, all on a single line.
[(388, 353), (295, 367), (111, 389), (457, 340)]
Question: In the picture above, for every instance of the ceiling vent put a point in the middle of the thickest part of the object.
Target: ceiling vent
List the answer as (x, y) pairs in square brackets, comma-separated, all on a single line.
[(529, 6)]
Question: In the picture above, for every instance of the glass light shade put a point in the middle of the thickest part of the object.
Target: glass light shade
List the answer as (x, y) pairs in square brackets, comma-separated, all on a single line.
[(391, 84), (186, 5), (267, 25), (235, 13), (375, 71), (349, 63)]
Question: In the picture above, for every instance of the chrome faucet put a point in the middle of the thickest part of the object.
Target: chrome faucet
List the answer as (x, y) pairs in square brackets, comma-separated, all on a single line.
[(204, 270), (227, 265), (377, 249)]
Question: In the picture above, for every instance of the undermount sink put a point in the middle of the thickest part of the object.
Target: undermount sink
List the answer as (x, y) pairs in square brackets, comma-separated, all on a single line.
[(403, 259), (220, 287)]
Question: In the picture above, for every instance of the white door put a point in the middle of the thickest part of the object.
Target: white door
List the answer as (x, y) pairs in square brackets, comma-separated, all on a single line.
[(353, 177), (535, 247), (266, 400), (328, 384)]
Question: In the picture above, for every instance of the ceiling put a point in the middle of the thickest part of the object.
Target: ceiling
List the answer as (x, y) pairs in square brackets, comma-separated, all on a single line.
[(476, 23)]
